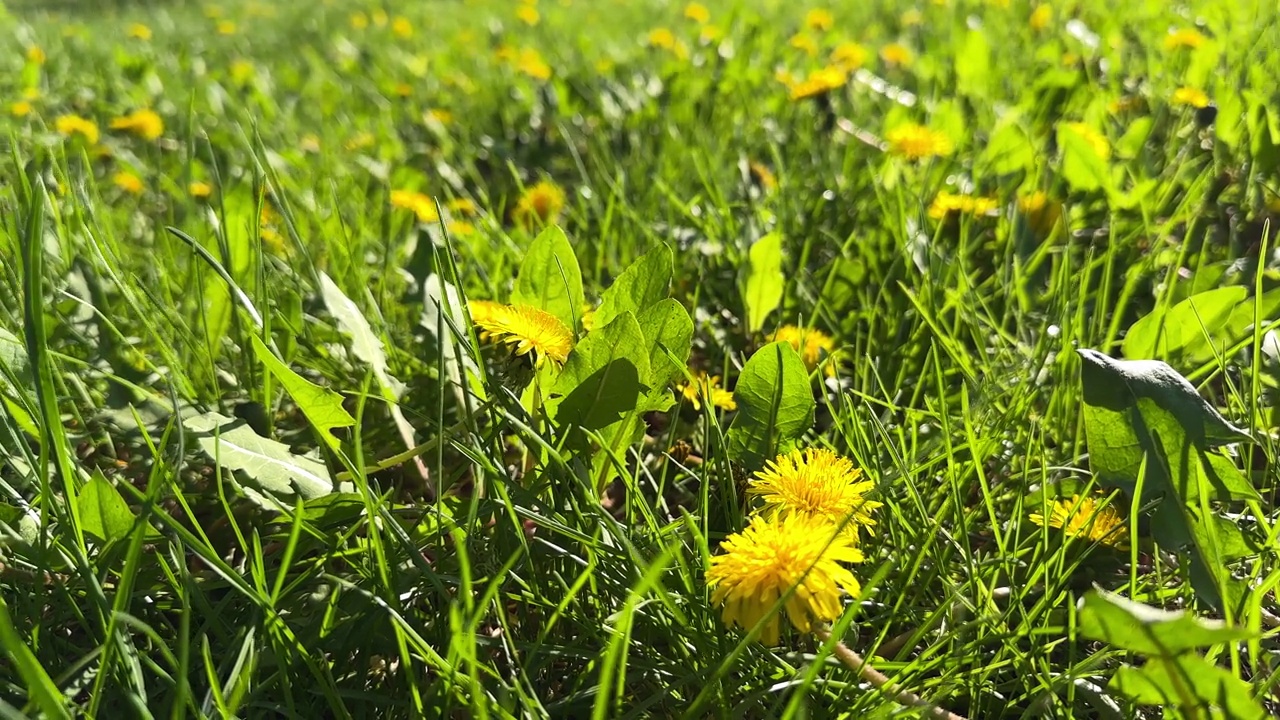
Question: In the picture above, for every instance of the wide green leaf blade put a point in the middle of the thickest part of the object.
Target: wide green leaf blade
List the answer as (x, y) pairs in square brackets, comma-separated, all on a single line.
[(1149, 630), (321, 406), (1173, 681), (103, 512), (644, 283), (668, 335), (775, 405), (550, 278), (601, 382), (762, 289)]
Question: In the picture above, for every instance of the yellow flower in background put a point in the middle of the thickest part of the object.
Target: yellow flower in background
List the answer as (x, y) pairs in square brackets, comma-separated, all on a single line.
[(72, 125), (1041, 213), (819, 19), (461, 228), (539, 205), (36, 55), (242, 71), (144, 123), (816, 483), (1184, 39), (819, 82), (226, 27), (528, 15), (379, 17), (911, 18), (1095, 139), (402, 28), (200, 190), (946, 204), (1194, 97), (1041, 17), (710, 33), (661, 38), (805, 43), (813, 345), (1084, 517), (462, 206), (127, 182), (849, 56), (138, 31), (360, 141), (697, 12), (359, 21), (421, 205), (22, 108), (439, 115), (897, 55), (529, 329), (773, 556), (530, 63), (706, 387), (916, 142), (588, 319), (761, 175), (309, 143)]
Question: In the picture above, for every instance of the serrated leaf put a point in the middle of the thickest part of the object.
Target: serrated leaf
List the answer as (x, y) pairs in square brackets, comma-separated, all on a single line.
[(365, 344), (265, 470), (321, 406), (775, 405), (762, 289), (1170, 682), (550, 278), (644, 283), (103, 513), (1149, 630)]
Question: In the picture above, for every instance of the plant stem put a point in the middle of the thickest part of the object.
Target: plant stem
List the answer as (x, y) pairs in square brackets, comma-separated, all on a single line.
[(881, 682)]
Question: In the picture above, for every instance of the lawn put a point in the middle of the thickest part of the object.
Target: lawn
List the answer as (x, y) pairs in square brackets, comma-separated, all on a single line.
[(558, 358)]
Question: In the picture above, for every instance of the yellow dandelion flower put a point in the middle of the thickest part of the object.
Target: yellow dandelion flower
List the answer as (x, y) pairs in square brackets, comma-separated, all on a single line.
[(21, 108), (359, 21), (421, 205), (360, 141), (588, 317), (1095, 139), (226, 27), (1194, 97), (762, 176), (813, 345), (146, 124), (916, 142), (819, 82), (127, 182), (72, 125), (817, 483), (529, 329), (462, 206), (402, 28), (528, 15), (1184, 39), (438, 115), (911, 18), (710, 33), (138, 31), (661, 38), (897, 55), (199, 189), (819, 19), (242, 71), (706, 387), (849, 56), (35, 55), (539, 205), (805, 43), (697, 12), (1040, 212), (796, 557), (1041, 17), (461, 228), (947, 204), (1083, 517), (530, 63)]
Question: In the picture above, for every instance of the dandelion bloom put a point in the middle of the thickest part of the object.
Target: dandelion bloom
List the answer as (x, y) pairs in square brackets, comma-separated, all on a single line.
[(226, 27), (762, 176), (819, 82), (917, 142), (200, 190), (528, 15), (697, 12), (359, 21), (21, 108), (420, 204), (35, 54), (849, 56), (1041, 17), (947, 204), (530, 63), (71, 125), (816, 483), (1082, 517), (707, 387), (1184, 38), (1194, 97), (529, 329), (1040, 212), (146, 124), (813, 345), (661, 38), (804, 43), (402, 28), (461, 206), (819, 19), (896, 54), (771, 557), (138, 31), (439, 115), (1095, 139), (127, 182), (539, 204)]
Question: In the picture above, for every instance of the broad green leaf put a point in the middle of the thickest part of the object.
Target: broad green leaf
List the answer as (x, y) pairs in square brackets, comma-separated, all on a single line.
[(265, 470), (668, 334), (103, 513), (550, 279), (602, 380), (973, 65), (321, 406), (1196, 329), (1143, 409), (762, 289), (13, 359), (1145, 629), (1130, 144), (365, 344), (775, 405), (1009, 150), (1170, 682), (644, 283), (1083, 167), (238, 225), (19, 524)]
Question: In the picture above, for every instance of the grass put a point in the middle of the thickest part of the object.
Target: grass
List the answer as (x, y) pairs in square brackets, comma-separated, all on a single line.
[(146, 571)]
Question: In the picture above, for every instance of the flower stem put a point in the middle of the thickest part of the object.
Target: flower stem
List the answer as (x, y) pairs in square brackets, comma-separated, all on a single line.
[(881, 682)]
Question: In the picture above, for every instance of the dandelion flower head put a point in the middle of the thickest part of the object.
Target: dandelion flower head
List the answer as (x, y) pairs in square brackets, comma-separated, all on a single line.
[(539, 204), (529, 329), (916, 142), (707, 387), (819, 82), (71, 125), (697, 12), (146, 124), (1184, 38), (1194, 97), (947, 205), (813, 345), (421, 205), (819, 483), (1082, 517), (1095, 139)]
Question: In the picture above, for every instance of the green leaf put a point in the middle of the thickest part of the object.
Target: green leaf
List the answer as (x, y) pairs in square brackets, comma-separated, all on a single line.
[(103, 513), (775, 405), (1193, 329), (19, 524), (601, 380), (1148, 630), (644, 283), (1130, 144), (1188, 681), (1084, 169), (762, 290), (1009, 150), (321, 406), (668, 334), (1138, 410), (13, 360), (973, 65), (550, 279), (265, 470), (365, 344)]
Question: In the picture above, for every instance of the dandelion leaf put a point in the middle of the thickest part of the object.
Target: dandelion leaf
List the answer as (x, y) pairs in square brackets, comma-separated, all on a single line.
[(775, 405), (643, 284), (103, 513), (550, 278), (1171, 682), (1197, 329), (1141, 628), (321, 406), (762, 289)]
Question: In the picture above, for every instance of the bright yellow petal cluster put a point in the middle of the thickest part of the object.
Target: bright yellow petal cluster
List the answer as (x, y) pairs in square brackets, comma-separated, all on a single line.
[(897, 55), (1184, 38), (1041, 17), (146, 124), (849, 56), (529, 329), (819, 82), (697, 12), (1084, 517), (1194, 97), (421, 205), (947, 204), (816, 483), (706, 387), (813, 345), (819, 19), (771, 556), (916, 142), (127, 182), (70, 125), (1096, 140), (539, 204), (1040, 211)]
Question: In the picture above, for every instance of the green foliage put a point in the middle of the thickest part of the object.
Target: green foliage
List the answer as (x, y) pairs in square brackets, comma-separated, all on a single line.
[(764, 282), (104, 514), (550, 279), (775, 405), (643, 284), (1199, 328), (322, 406)]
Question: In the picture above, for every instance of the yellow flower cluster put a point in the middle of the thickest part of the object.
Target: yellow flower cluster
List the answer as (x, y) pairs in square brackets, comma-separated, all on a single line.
[(917, 142), (146, 124), (819, 82), (706, 388), (947, 204), (813, 345), (1086, 518), (529, 329), (540, 204)]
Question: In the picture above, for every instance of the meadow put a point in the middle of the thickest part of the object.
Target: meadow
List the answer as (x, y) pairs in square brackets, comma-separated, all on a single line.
[(558, 358)]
